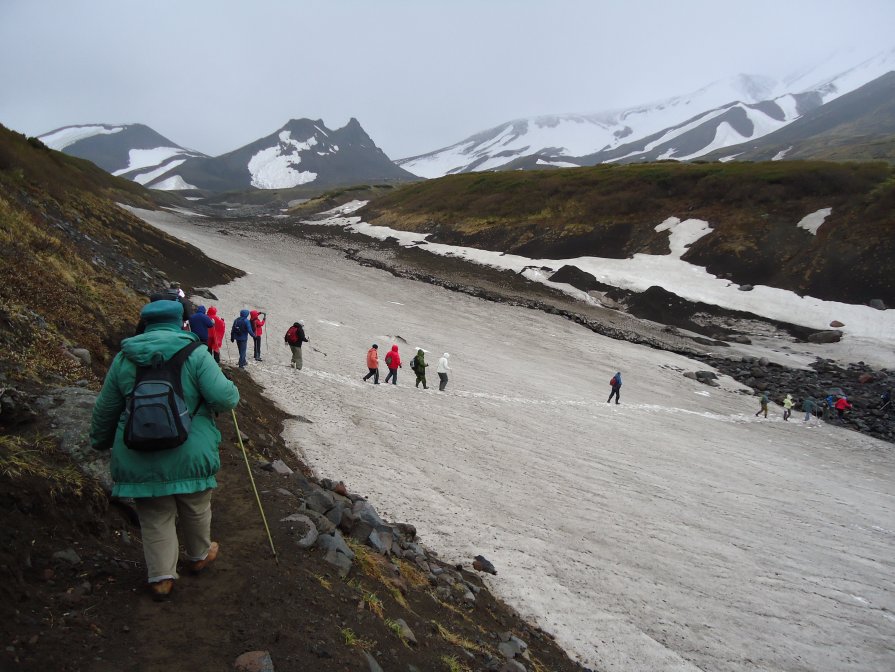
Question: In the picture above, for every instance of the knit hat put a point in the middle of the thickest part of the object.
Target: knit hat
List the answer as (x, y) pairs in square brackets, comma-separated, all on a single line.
[(162, 311), (376, 346)]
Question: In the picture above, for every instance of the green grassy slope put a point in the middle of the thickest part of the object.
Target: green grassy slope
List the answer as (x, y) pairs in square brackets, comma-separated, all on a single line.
[(611, 211)]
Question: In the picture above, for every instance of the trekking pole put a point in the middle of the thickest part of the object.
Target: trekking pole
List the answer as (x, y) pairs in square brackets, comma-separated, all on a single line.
[(254, 488), (886, 404), (266, 328), (229, 357)]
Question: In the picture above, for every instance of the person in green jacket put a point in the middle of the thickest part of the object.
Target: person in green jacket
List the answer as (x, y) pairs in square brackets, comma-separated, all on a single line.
[(419, 367), (763, 408), (175, 483)]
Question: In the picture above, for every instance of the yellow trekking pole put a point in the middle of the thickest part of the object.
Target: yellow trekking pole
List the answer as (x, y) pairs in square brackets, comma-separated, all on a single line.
[(252, 479)]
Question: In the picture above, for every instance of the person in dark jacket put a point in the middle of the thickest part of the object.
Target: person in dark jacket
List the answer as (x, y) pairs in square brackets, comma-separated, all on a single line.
[(393, 362), (763, 404), (170, 487), (257, 320), (419, 367), (173, 293), (239, 334), (294, 338), (616, 384), (200, 324), (808, 405)]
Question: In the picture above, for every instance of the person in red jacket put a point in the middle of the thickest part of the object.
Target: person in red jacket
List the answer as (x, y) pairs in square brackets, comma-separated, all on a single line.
[(393, 362), (373, 364), (257, 321), (216, 335), (841, 406)]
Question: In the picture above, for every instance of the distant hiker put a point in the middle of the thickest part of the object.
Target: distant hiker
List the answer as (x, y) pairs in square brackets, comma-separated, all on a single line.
[(808, 405), (393, 362), (216, 335), (257, 322), (373, 364), (829, 405), (294, 337), (175, 483), (885, 399), (763, 408), (201, 324), (418, 365), (175, 289), (616, 384), (442, 371), (788, 403), (841, 407), (239, 333)]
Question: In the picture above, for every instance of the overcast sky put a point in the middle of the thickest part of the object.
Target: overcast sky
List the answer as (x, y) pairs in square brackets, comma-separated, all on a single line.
[(418, 74)]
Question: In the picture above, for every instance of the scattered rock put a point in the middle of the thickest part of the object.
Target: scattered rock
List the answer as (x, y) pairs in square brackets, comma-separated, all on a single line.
[(205, 293), (305, 529), (254, 661), (406, 633), (740, 338), (68, 555), (746, 288), (865, 378), (877, 303), (836, 324), (281, 468), (482, 564), (320, 501), (335, 542), (83, 354), (371, 662), (832, 336), (340, 489)]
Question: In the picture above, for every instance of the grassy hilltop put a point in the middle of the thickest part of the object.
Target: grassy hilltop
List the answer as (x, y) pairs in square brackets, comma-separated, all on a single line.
[(611, 211)]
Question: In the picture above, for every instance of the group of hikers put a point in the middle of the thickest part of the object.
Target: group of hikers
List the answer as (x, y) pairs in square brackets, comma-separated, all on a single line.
[(418, 365), (812, 407)]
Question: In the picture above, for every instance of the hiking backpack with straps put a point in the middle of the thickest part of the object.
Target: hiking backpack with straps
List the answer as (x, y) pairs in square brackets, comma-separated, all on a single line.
[(292, 335), (157, 416)]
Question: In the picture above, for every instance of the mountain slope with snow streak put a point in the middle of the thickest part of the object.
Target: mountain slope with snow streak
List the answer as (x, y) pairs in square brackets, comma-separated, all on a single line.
[(727, 112)]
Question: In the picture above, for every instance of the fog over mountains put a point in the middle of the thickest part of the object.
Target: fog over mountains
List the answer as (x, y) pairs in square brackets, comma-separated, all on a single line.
[(746, 116)]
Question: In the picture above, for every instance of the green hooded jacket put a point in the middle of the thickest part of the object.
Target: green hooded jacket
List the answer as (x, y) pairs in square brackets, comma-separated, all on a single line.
[(190, 467), (419, 365)]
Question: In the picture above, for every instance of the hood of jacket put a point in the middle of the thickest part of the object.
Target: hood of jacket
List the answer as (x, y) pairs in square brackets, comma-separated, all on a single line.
[(253, 314), (446, 355), (162, 339), (211, 311), (201, 309), (394, 348), (244, 312)]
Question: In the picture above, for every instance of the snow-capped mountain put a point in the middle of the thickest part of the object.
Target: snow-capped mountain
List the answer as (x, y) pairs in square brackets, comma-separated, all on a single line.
[(303, 152), (133, 151), (727, 112)]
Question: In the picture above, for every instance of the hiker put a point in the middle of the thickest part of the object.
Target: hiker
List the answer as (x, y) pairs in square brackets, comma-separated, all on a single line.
[(239, 333), (829, 404), (257, 323), (763, 408), (788, 403), (295, 336), (442, 371), (216, 335), (373, 364), (885, 398), (175, 289), (393, 362), (418, 365), (808, 405), (616, 384), (841, 406), (173, 484), (201, 324)]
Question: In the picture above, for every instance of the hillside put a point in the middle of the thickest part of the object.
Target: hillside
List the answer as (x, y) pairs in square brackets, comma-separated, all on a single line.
[(75, 271), (857, 126), (612, 211)]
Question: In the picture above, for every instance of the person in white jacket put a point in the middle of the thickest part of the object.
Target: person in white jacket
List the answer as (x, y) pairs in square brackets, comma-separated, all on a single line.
[(442, 370)]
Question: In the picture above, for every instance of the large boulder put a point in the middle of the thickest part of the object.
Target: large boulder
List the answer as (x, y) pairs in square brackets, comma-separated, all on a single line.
[(829, 336)]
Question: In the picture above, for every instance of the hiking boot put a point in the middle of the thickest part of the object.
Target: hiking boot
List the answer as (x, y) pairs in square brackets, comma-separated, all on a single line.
[(161, 590), (198, 565)]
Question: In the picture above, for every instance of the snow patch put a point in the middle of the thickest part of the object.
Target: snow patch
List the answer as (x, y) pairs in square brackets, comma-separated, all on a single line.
[(273, 168), (173, 183), (146, 178), (779, 155), (812, 222), (64, 137), (144, 158)]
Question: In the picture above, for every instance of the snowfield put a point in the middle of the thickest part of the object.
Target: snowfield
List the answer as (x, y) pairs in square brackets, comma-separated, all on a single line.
[(674, 531), (69, 135), (274, 167)]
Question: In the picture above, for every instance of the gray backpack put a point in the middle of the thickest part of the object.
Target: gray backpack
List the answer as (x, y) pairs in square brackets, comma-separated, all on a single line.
[(157, 416)]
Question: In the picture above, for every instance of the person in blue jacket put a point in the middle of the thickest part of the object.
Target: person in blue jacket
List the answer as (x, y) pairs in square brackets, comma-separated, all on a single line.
[(239, 334), (616, 384), (200, 323)]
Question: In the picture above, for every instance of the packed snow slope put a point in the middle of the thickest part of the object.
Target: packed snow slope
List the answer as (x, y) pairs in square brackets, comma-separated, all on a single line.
[(674, 531), (753, 211)]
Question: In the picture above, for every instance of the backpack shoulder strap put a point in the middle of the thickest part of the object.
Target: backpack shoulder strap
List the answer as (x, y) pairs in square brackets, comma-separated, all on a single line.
[(178, 359)]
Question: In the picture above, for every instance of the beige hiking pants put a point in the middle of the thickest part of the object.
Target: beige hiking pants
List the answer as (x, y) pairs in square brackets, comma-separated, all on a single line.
[(296, 356), (158, 519)]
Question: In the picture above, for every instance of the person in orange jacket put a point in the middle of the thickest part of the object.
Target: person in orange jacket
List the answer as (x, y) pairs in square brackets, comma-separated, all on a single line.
[(373, 364), (257, 321), (393, 362)]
